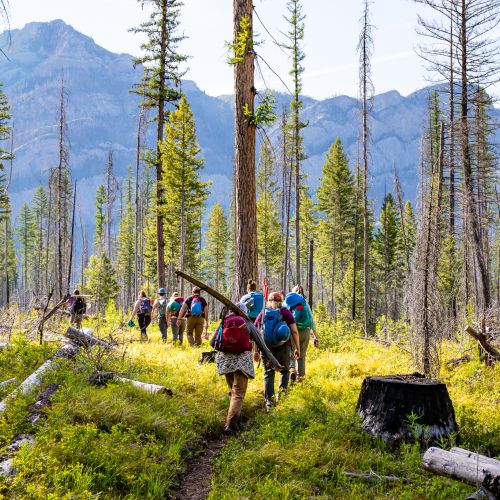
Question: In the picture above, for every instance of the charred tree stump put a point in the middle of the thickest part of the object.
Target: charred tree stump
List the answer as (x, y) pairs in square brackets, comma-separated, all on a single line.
[(400, 408)]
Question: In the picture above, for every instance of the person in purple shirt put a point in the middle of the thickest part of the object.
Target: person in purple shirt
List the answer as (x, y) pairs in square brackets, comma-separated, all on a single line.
[(281, 353)]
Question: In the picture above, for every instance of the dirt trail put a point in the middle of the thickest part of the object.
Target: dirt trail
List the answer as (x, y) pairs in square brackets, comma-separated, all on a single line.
[(197, 483)]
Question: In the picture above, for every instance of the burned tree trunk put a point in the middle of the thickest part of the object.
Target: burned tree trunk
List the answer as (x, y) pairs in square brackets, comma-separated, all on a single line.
[(398, 408)]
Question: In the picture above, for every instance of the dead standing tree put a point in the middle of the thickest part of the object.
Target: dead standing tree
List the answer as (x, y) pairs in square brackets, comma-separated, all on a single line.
[(462, 54), (244, 141), (365, 49)]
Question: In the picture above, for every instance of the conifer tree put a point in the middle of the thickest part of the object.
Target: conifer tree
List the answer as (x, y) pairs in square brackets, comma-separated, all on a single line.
[(158, 88), (101, 280), (26, 236), (269, 231), (126, 245), (185, 192), (40, 215), (336, 204), (216, 248), (99, 219), (295, 36)]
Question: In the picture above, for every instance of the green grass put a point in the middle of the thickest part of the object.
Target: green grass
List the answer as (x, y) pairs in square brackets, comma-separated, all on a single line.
[(119, 442)]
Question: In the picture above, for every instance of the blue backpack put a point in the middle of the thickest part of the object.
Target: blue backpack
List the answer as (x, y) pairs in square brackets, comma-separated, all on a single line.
[(255, 304), (145, 306), (297, 304), (196, 306), (276, 331)]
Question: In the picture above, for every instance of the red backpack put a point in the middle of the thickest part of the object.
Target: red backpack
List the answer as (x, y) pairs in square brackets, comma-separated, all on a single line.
[(235, 338)]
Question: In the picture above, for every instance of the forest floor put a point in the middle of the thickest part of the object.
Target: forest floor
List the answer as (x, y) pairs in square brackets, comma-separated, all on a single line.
[(115, 441)]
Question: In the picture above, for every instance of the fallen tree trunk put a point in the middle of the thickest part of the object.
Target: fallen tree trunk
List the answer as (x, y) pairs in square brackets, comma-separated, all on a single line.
[(459, 466), (84, 338), (64, 312), (475, 456), (35, 379), (151, 388), (5, 383), (484, 343)]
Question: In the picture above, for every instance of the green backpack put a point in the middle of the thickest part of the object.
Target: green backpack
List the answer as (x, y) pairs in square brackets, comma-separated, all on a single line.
[(174, 306), (162, 307)]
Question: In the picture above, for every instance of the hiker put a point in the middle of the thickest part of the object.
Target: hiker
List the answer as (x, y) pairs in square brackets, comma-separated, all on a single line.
[(276, 323), (160, 311), (304, 319), (77, 307), (142, 308), (173, 308), (195, 309), (254, 300), (234, 360)]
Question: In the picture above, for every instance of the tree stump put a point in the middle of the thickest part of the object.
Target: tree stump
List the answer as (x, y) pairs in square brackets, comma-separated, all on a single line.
[(406, 408)]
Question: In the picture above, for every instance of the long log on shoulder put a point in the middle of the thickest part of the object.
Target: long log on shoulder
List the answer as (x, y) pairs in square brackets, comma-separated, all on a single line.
[(458, 466), (35, 379), (151, 388), (254, 333), (484, 343)]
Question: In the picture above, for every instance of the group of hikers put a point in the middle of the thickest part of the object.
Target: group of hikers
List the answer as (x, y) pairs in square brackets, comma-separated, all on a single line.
[(285, 322)]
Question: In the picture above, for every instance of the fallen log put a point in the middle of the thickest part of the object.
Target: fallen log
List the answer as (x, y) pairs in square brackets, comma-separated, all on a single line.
[(64, 312), (151, 388), (254, 333), (476, 457), (483, 341), (373, 476), (85, 338), (35, 379), (5, 383), (460, 467)]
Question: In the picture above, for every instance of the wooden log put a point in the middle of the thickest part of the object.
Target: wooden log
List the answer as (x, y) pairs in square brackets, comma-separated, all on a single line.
[(385, 403), (64, 312), (458, 466), (484, 343), (84, 338), (476, 457), (5, 383), (151, 388), (254, 333), (35, 379)]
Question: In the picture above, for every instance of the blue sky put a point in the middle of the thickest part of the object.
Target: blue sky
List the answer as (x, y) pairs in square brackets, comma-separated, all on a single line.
[(331, 34)]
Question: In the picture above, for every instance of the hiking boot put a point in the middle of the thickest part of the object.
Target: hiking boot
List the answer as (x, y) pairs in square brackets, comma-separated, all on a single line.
[(269, 405), (228, 430), (293, 375)]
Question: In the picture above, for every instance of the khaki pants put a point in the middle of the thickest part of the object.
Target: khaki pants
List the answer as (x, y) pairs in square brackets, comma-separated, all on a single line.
[(237, 383), (194, 324), (300, 364)]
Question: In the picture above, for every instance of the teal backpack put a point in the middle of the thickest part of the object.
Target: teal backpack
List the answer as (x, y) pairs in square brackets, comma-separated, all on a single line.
[(300, 310)]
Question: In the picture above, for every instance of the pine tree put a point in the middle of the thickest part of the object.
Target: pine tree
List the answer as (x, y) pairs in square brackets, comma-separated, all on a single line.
[(101, 280), (269, 231), (159, 87), (126, 245), (295, 36), (184, 191), (26, 236), (216, 248), (336, 204), (40, 215), (99, 219)]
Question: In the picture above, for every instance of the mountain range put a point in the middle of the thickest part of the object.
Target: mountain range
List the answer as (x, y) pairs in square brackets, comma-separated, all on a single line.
[(102, 113)]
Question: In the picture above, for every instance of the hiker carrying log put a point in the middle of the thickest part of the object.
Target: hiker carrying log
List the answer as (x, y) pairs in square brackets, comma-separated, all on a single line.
[(195, 309), (234, 360), (142, 308), (277, 324)]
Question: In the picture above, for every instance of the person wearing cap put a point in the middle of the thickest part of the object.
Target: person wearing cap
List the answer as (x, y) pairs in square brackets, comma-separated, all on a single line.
[(173, 309), (195, 309), (160, 311), (282, 353), (238, 369)]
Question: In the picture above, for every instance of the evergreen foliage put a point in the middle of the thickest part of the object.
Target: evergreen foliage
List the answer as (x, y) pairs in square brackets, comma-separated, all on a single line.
[(101, 279)]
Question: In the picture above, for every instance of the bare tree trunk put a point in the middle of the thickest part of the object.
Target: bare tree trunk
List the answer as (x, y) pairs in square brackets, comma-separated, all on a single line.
[(244, 176), (311, 274), (355, 249)]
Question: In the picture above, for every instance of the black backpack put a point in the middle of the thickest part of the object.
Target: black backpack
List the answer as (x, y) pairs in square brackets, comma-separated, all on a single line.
[(79, 306)]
